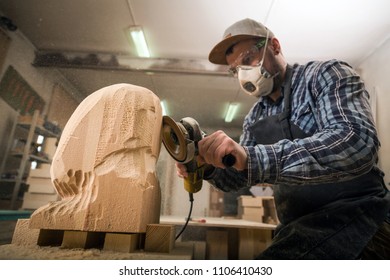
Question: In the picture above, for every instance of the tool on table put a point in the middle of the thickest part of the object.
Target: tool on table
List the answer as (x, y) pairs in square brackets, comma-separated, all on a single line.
[(203, 221), (181, 141)]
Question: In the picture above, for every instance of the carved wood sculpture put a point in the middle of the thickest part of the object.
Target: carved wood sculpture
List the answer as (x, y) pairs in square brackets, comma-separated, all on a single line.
[(104, 166)]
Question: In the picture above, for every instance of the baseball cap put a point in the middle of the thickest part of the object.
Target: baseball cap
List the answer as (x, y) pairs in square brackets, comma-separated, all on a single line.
[(241, 30)]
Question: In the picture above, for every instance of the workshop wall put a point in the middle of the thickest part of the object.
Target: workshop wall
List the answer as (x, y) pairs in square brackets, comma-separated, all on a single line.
[(375, 71), (20, 56)]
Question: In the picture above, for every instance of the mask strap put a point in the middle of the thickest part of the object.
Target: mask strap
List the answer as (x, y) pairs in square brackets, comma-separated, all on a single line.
[(265, 49)]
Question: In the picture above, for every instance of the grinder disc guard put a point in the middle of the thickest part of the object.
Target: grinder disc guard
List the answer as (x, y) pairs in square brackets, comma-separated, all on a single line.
[(175, 140)]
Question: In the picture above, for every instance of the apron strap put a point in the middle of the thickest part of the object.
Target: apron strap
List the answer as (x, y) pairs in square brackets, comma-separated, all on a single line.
[(284, 117)]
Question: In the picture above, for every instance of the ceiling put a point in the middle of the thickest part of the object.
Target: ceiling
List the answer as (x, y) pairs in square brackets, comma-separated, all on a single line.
[(180, 34)]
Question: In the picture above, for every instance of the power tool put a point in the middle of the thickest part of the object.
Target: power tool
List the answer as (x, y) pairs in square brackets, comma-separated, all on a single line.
[(181, 141)]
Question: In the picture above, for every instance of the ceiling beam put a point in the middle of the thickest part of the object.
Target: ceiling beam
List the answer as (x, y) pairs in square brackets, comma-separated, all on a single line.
[(61, 59)]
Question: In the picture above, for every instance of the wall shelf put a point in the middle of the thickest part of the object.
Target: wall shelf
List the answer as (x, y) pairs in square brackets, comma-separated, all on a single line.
[(25, 155)]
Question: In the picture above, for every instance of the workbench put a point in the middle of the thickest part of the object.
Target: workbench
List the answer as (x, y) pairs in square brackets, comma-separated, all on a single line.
[(224, 238)]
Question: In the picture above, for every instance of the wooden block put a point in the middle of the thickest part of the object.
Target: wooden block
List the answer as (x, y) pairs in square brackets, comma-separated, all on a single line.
[(250, 201), (255, 211), (23, 235), (217, 245), (121, 242), (160, 238), (253, 218), (83, 239)]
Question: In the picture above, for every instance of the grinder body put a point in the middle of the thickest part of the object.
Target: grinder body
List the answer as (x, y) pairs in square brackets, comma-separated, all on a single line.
[(181, 141)]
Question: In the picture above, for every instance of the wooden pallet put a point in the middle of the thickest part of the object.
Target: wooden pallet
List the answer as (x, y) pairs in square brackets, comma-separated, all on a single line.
[(158, 238)]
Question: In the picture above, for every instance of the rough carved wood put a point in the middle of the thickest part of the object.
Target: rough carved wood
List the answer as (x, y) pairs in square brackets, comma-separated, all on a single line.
[(104, 166)]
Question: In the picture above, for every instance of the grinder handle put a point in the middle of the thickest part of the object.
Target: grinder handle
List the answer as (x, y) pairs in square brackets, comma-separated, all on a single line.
[(229, 160)]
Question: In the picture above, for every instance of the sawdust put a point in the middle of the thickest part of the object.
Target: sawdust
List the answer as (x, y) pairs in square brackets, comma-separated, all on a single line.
[(34, 252)]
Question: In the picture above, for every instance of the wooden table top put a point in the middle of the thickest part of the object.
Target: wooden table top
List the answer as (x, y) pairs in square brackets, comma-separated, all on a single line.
[(215, 222)]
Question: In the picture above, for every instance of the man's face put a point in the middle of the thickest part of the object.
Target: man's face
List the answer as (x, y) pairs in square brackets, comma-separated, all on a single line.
[(252, 52)]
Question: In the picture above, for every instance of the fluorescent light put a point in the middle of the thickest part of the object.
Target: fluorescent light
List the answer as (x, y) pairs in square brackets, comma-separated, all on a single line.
[(40, 139), (163, 108), (231, 112), (34, 165), (138, 38)]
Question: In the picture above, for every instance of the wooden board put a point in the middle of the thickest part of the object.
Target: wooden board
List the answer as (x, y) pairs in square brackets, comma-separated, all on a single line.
[(216, 222)]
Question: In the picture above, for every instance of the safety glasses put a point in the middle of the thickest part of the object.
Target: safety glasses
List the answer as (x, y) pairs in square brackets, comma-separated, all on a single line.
[(247, 58)]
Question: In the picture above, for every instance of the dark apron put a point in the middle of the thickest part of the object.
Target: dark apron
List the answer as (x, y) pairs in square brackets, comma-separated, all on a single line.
[(322, 221)]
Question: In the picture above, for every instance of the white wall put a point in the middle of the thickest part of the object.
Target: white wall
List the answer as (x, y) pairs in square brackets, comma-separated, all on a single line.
[(375, 70)]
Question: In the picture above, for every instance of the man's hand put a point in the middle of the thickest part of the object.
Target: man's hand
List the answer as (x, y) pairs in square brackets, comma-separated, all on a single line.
[(215, 146), (181, 170)]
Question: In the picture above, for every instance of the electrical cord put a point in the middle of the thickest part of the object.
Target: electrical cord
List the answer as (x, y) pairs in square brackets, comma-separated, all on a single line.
[(191, 197)]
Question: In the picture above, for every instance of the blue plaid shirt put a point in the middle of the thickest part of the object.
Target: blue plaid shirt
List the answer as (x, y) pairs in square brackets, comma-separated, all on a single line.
[(329, 102)]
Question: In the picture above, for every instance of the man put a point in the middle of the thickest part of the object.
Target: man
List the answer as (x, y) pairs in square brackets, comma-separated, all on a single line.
[(311, 134)]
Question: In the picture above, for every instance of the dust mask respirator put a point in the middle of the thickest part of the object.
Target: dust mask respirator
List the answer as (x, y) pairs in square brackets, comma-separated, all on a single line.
[(255, 80)]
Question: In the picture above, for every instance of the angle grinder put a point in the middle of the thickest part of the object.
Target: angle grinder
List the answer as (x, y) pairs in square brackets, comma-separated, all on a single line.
[(181, 141)]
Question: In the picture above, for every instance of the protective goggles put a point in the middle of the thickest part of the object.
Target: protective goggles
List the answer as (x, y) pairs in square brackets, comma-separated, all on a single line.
[(247, 58)]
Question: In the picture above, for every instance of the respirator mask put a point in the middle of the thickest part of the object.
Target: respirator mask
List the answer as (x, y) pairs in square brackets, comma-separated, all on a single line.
[(254, 80)]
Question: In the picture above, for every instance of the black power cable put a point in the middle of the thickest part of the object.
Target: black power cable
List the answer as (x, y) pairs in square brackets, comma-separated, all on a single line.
[(191, 197)]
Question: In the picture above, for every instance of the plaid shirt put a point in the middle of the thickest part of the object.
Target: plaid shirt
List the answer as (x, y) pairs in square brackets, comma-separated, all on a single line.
[(329, 102)]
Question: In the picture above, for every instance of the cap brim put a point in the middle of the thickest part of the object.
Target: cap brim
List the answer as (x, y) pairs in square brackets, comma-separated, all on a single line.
[(218, 53)]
